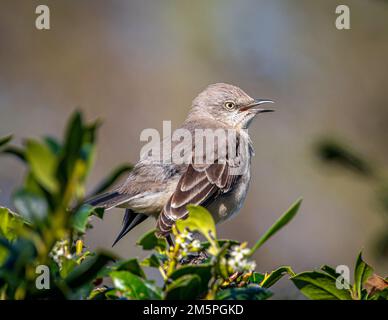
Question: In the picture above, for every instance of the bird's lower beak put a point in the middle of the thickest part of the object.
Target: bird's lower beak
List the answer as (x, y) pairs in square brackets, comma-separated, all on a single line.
[(254, 106)]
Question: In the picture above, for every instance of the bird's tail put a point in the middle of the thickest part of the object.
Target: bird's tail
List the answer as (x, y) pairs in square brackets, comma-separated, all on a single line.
[(131, 219), (108, 200), (113, 199)]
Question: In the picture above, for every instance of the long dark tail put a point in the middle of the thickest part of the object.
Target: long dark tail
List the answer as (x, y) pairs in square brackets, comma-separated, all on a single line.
[(108, 200), (131, 219)]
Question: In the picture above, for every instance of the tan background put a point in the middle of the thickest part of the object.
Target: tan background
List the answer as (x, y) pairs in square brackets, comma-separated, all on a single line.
[(136, 63)]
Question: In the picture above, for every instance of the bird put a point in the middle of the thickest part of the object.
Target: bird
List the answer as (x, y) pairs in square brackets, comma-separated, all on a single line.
[(163, 189)]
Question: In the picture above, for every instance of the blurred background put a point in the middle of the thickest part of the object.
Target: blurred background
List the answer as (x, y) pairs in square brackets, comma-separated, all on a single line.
[(136, 63)]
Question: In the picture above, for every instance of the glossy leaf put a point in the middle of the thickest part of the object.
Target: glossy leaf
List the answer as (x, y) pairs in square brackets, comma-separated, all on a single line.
[(150, 241), (317, 285), (203, 271), (30, 206), (330, 271), (276, 275), (256, 277), (67, 266), (361, 274), (155, 260), (10, 224), (81, 217), (187, 287), (71, 148), (133, 266), (43, 164), (134, 287), (220, 265), (88, 270)]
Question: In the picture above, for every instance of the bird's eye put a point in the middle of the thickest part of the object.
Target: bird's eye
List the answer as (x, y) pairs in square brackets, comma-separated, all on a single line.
[(229, 105)]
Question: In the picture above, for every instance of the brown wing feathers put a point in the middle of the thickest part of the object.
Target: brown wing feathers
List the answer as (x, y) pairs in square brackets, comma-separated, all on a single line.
[(194, 187), (199, 185)]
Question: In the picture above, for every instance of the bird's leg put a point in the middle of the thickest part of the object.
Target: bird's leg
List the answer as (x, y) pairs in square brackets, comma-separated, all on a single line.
[(170, 241)]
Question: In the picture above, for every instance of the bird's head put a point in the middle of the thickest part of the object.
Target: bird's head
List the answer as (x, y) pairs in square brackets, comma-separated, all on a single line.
[(228, 104)]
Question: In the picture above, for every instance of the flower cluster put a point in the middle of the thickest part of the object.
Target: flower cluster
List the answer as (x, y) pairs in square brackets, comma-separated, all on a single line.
[(60, 251), (238, 260), (187, 244)]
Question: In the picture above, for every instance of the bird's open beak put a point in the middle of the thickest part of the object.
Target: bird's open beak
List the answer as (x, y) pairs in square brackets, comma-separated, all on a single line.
[(254, 106)]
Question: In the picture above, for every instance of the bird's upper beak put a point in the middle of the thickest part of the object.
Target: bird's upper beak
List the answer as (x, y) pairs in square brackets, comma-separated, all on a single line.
[(254, 106)]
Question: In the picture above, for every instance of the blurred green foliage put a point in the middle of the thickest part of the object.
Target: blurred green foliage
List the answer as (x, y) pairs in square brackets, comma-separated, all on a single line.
[(327, 284), (50, 215), (332, 151)]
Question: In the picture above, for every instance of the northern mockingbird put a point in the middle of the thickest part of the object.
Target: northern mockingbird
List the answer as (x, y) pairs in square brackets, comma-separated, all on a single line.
[(163, 189)]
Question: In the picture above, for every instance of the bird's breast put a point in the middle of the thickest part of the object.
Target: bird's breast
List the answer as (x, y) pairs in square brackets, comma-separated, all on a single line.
[(229, 204)]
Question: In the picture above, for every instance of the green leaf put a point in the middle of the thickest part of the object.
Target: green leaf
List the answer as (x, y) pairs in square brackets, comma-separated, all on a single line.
[(150, 241), (155, 260), (187, 287), (32, 185), (203, 271), (133, 266), (276, 275), (30, 206), (43, 164), (256, 277), (334, 274), (134, 287), (361, 274), (103, 294), (380, 295), (250, 292), (54, 145), (10, 224), (330, 271), (111, 179), (5, 140), (317, 285), (21, 252), (87, 155), (220, 266), (336, 152), (88, 270), (200, 220), (91, 130), (67, 267), (81, 217), (71, 148), (15, 151), (280, 223), (99, 212)]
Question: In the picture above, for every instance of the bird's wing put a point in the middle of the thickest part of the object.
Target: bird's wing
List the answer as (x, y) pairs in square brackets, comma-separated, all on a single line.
[(108, 200), (144, 179), (199, 185)]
